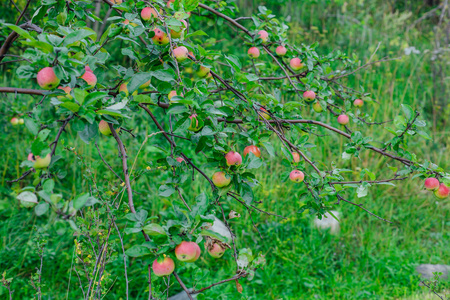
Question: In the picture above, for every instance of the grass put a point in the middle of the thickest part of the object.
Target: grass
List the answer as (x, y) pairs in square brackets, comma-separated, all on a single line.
[(368, 259)]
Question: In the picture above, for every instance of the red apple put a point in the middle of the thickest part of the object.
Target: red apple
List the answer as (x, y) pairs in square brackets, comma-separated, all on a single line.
[(187, 251), (195, 126), (296, 64), (31, 157), (173, 94), (296, 157), (296, 176), (169, 3), (148, 13), (253, 52), (166, 267), (145, 85), (281, 50), (216, 251), (203, 72), (104, 129), (263, 35), (343, 119), (253, 149), (233, 158), (317, 107), (197, 253), (90, 78), (358, 103), (264, 113), (123, 88), (42, 163), (14, 121), (180, 53), (442, 192), (66, 89), (177, 34), (221, 179), (46, 78), (309, 96), (431, 184), (160, 38)]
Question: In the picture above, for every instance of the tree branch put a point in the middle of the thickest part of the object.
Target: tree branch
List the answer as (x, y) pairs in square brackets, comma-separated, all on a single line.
[(182, 285), (220, 282), (125, 173)]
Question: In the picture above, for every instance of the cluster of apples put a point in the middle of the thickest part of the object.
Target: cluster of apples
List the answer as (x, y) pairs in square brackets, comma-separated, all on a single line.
[(47, 79), (187, 252), (296, 64), (440, 190), (222, 179), (344, 119), (16, 121)]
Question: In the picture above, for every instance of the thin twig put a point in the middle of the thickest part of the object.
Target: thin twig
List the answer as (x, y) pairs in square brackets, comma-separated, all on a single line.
[(182, 285)]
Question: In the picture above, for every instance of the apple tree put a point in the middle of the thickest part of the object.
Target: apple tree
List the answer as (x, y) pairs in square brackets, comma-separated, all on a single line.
[(218, 116)]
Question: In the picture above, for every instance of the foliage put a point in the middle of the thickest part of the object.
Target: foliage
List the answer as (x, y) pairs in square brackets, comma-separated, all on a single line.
[(93, 201)]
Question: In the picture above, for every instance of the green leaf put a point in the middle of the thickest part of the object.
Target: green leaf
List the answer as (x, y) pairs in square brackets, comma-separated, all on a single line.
[(137, 80), (196, 33), (153, 229), (141, 215), (72, 106), (92, 98), (163, 75), (27, 197), (166, 191), (20, 31), (234, 62), (255, 162), (269, 148), (76, 36), (424, 134), (177, 109), (362, 191), (142, 99), (89, 132), (409, 112), (80, 95), (252, 77), (80, 200), (137, 251), (48, 186), (45, 47), (110, 112), (32, 126), (37, 147), (190, 5), (91, 201), (200, 206), (41, 208), (43, 134)]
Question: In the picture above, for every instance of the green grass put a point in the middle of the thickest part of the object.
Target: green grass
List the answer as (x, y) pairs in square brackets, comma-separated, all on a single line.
[(368, 259)]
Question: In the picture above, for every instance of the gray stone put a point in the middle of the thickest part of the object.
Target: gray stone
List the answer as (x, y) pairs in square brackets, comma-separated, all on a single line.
[(182, 296), (427, 270)]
